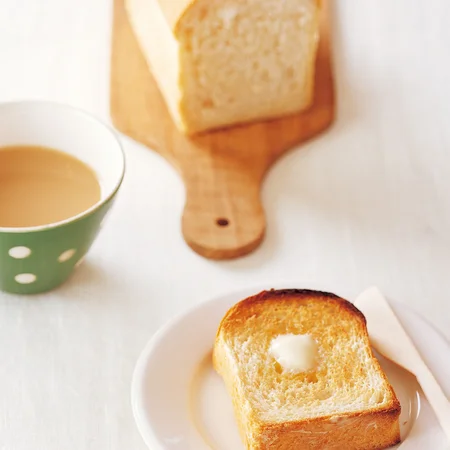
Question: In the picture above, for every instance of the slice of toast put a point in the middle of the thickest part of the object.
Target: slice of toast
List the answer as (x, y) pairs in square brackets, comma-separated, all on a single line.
[(345, 402)]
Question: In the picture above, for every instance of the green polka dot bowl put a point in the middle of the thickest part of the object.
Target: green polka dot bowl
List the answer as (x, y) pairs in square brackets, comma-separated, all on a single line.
[(38, 259)]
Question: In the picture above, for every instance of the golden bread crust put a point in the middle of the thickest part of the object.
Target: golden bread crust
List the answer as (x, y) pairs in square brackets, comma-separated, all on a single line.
[(373, 428)]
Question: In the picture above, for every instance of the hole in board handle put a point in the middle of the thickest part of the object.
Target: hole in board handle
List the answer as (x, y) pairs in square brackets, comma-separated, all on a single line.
[(222, 222)]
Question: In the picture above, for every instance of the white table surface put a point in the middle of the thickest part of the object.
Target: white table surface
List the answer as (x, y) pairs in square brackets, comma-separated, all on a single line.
[(366, 203)]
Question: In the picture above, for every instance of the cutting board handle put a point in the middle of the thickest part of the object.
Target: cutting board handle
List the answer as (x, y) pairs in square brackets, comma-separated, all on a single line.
[(223, 170), (223, 216)]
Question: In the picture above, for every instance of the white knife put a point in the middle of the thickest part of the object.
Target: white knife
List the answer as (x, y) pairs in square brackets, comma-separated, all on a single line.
[(390, 339)]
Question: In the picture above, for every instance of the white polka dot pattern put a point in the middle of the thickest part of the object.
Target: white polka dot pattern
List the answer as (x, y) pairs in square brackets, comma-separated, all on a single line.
[(19, 252), (65, 256), (78, 263), (25, 278)]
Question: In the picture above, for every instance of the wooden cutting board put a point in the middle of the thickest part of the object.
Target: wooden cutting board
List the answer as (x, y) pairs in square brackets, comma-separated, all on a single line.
[(222, 171)]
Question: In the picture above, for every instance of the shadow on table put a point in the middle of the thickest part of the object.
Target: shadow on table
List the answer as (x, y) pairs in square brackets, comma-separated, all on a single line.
[(88, 276)]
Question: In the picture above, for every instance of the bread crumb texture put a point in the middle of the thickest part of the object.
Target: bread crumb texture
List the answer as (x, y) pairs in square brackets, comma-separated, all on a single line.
[(242, 60), (346, 384)]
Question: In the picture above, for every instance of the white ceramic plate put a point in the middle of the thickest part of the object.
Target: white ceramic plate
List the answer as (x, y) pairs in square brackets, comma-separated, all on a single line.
[(180, 403)]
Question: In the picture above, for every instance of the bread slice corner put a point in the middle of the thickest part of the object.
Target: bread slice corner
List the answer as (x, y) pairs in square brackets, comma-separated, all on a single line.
[(346, 402)]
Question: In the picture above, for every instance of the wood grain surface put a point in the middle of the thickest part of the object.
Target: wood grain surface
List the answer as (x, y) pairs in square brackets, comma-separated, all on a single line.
[(223, 170)]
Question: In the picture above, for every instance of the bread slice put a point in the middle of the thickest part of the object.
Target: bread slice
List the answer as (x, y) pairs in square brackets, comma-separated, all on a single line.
[(346, 402), (223, 62)]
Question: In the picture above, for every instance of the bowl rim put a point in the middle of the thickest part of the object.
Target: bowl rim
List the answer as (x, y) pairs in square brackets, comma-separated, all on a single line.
[(108, 128)]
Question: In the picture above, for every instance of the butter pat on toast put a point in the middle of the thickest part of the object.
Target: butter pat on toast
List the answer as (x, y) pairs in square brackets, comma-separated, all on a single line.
[(342, 401)]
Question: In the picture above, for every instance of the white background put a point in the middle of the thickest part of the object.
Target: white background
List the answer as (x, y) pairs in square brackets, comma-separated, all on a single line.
[(366, 203)]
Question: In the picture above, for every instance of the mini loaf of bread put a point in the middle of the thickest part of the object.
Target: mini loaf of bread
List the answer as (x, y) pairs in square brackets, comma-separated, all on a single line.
[(223, 62)]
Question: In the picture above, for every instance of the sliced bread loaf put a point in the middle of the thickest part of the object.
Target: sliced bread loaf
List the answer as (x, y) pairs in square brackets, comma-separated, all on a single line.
[(344, 401), (223, 62)]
